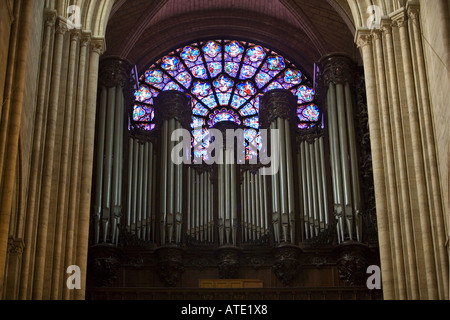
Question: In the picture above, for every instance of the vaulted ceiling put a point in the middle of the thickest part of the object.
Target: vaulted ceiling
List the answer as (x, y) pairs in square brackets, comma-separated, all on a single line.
[(302, 30)]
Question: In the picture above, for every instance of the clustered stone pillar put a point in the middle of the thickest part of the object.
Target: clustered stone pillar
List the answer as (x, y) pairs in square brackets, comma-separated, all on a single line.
[(114, 83), (409, 214), (278, 110), (51, 232), (11, 113), (173, 111), (336, 75)]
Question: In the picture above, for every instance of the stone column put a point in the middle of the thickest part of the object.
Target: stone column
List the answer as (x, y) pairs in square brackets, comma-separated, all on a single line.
[(430, 154), (401, 21), (97, 48), (401, 175), (364, 41), (47, 170), (11, 145), (64, 180), (336, 75), (388, 151), (279, 112), (77, 144), (32, 201)]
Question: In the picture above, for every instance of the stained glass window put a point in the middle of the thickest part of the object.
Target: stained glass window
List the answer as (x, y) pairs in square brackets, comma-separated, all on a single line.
[(225, 79)]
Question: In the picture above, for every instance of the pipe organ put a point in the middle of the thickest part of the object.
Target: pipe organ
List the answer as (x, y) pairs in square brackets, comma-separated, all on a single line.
[(337, 75), (199, 204), (312, 182), (141, 216), (254, 208), (108, 181), (226, 206)]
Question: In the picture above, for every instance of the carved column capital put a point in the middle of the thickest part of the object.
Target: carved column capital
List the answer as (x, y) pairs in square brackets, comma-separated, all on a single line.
[(336, 68), (15, 246), (377, 34), (75, 35), (98, 45), (115, 71), (363, 38), (413, 14), (50, 18), (400, 19), (173, 104), (61, 27), (278, 104), (386, 26), (85, 39)]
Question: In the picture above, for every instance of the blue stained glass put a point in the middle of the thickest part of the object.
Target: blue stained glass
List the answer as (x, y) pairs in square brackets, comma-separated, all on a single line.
[(247, 72), (201, 88), (210, 101), (223, 83), (222, 115), (197, 122), (275, 63), (224, 98), (248, 110), (199, 69), (215, 68), (293, 76), (199, 72), (311, 113), (252, 122), (237, 101), (234, 49), (143, 113), (256, 54), (153, 77), (250, 134), (262, 79), (232, 68), (199, 110), (200, 134), (212, 49), (146, 126), (172, 86), (185, 79), (246, 89), (303, 126), (190, 54), (143, 94), (273, 85), (170, 63), (304, 94)]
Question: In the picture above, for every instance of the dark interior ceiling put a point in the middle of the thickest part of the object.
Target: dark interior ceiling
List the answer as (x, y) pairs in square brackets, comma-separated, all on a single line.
[(302, 30)]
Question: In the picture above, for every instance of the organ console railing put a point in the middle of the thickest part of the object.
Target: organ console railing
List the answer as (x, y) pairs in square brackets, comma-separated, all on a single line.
[(228, 203)]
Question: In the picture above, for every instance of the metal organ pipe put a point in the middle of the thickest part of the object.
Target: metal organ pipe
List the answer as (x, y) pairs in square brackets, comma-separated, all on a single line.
[(145, 182), (163, 188), (320, 187), (100, 159), (353, 153)]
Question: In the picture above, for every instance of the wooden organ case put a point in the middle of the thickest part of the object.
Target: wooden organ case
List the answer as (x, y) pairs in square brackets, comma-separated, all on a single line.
[(162, 230)]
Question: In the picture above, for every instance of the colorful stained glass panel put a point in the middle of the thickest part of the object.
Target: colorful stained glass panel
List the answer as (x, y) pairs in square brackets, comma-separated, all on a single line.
[(212, 49)]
